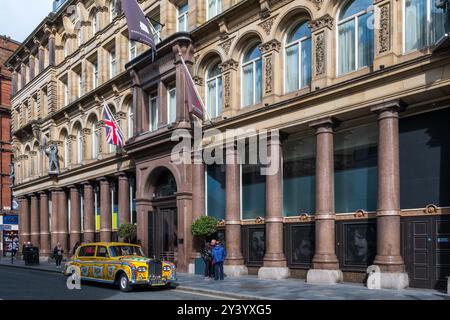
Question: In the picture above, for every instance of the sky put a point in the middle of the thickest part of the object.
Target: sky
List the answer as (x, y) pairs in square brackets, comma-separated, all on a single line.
[(18, 18)]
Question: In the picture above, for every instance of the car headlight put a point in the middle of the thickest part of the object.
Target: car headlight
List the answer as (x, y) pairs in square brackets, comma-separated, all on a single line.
[(166, 268), (142, 269)]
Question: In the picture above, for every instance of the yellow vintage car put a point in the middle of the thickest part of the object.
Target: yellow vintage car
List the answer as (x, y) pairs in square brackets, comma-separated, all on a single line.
[(119, 263)]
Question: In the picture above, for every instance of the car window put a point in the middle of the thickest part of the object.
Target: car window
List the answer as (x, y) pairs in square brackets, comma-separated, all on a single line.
[(87, 251), (102, 252)]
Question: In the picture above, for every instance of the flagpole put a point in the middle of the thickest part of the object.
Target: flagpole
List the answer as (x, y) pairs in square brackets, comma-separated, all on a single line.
[(195, 87)]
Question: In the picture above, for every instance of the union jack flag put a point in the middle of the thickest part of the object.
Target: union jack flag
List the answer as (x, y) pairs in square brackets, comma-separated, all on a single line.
[(113, 132)]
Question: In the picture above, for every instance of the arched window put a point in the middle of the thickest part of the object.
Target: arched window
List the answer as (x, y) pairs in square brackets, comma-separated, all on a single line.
[(66, 151), (214, 90), (94, 141), (79, 37), (423, 23), (79, 146), (298, 57), (355, 36), (251, 76), (115, 9), (130, 122), (95, 23)]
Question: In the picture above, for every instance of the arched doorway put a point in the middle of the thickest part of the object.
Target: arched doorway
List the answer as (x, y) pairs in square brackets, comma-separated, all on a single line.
[(163, 221)]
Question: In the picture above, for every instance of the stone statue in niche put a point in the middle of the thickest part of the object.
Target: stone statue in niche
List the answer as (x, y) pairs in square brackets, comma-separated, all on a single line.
[(445, 6), (53, 163)]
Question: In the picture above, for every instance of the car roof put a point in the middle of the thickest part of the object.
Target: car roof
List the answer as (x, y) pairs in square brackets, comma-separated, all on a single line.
[(108, 244)]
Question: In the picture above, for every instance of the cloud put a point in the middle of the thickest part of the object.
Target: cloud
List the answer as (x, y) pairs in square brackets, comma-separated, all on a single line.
[(18, 18)]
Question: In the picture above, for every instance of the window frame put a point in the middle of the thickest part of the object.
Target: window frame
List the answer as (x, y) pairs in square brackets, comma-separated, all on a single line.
[(217, 94), (243, 64), (217, 11), (154, 98), (112, 62), (339, 22), (169, 90), (299, 45), (185, 16)]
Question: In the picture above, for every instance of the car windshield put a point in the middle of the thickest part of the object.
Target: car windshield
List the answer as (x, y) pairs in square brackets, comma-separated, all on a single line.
[(119, 251)]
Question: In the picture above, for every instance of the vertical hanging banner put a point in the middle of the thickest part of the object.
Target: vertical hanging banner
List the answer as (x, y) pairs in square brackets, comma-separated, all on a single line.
[(195, 103), (139, 29)]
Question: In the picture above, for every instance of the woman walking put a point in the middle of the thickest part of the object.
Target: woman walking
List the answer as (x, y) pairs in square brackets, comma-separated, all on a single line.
[(58, 254)]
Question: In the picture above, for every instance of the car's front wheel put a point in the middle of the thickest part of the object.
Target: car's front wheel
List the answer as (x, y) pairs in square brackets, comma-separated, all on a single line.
[(124, 283)]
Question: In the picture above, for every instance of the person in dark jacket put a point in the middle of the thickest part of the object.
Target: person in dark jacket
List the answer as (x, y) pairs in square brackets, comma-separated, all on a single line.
[(219, 254), (58, 254), (207, 259)]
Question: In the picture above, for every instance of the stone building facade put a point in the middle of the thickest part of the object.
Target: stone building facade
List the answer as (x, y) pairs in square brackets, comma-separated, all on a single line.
[(357, 91)]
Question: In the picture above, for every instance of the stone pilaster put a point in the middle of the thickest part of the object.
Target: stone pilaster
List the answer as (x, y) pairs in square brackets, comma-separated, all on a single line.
[(124, 198), (105, 210), (24, 221), (275, 265), (75, 217), (271, 62), (89, 213), (388, 256), (234, 263), (230, 97), (44, 225), (325, 262), (34, 221), (54, 218), (198, 206), (63, 222)]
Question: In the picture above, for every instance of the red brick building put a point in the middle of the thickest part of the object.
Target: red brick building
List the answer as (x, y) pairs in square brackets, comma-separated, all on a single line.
[(7, 47)]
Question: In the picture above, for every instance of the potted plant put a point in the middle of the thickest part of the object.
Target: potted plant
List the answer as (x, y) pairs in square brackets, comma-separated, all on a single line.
[(128, 232), (201, 229)]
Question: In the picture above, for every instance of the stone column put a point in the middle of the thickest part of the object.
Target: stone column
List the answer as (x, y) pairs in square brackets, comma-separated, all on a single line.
[(89, 214), (51, 49), (24, 220), (275, 265), (124, 199), (31, 64), (234, 263), (325, 263), (44, 224), (41, 55), (35, 235), (388, 258), (198, 207), (14, 87), (231, 100), (63, 223), (54, 219), (105, 210), (272, 80), (75, 217)]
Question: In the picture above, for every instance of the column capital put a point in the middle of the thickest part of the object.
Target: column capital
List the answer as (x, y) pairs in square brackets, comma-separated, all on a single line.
[(102, 179), (396, 105), (326, 124), (121, 175)]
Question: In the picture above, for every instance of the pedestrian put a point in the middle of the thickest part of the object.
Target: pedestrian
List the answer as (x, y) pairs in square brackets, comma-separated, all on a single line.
[(24, 245), (75, 247), (207, 259), (219, 254), (58, 255), (14, 248)]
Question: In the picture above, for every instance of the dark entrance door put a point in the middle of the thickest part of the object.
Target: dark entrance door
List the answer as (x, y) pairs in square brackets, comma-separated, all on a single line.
[(167, 224), (427, 254)]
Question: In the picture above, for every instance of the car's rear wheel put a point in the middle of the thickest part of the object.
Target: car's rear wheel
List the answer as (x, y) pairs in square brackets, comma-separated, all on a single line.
[(124, 283)]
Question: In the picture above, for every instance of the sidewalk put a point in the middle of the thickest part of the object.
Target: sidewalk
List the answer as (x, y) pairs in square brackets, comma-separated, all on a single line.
[(250, 287)]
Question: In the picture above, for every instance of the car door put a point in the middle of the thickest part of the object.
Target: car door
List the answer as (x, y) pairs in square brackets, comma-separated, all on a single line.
[(86, 255), (100, 266)]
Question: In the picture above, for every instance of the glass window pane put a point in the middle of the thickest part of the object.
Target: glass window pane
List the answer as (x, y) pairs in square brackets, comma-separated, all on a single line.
[(258, 88), (424, 160), (300, 31), (306, 62), (219, 96), (252, 54), (299, 176), (346, 47), (356, 169), (215, 182), (354, 7), (365, 41), (212, 102), (253, 192), (247, 85), (172, 106), (437, 28), (415, 24), (292, 68)]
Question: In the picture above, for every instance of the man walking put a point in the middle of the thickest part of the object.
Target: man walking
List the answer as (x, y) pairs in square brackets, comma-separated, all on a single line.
[(219, 254)]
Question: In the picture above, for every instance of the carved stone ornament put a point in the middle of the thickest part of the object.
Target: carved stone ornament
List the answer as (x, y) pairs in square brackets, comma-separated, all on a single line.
[(227, 65), (198, 80), (360, 213), (267, 25), (322, 22), (268, 74), (304, 217), (431, 208), (320, 54), (221, 223), (259, 220), (317, 3), (226, 45), (384, 37), (273, 44), (227, 90)]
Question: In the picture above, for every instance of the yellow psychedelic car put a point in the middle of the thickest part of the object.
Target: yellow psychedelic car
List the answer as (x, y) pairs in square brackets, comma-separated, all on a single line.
[(119, 263)]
